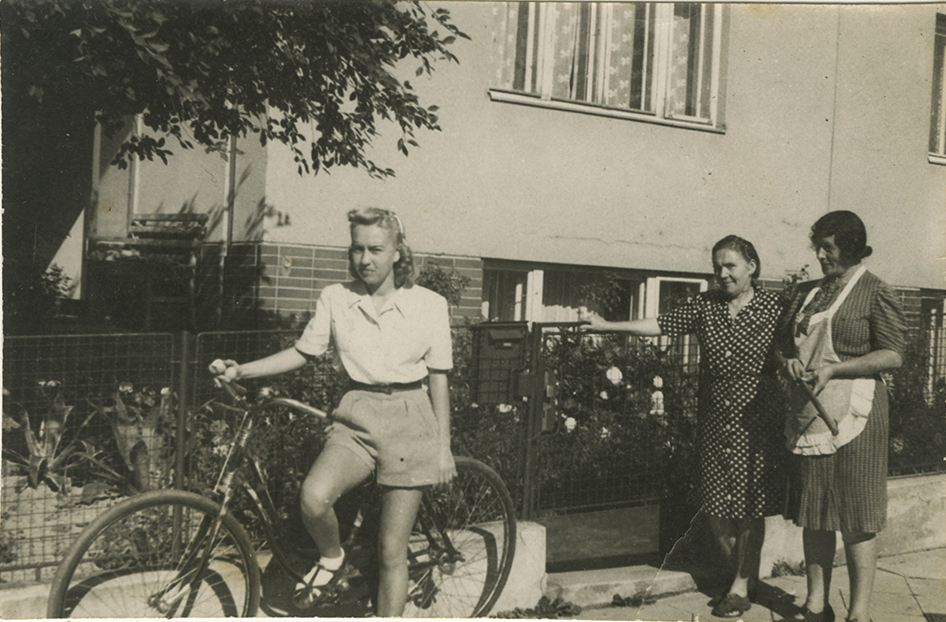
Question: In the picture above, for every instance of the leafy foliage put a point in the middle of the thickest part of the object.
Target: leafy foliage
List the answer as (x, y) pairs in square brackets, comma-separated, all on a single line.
[(142, 423), (285, 444), (546, 609), (917, 415), (637, 600), (201, 73), (611, 422), (35, 303), (607, 295), (447, 282), (46, 459)]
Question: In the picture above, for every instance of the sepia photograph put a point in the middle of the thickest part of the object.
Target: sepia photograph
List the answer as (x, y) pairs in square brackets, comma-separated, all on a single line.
[(683, 267)]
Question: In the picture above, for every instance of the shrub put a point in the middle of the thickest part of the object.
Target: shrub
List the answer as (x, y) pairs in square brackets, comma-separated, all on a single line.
[(917, 415), (31, 308), (447, 282), (624, 409)]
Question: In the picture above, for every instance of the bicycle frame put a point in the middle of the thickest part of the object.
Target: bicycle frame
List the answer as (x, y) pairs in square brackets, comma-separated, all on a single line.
[(242, 470), (180, 553), (240, 460)]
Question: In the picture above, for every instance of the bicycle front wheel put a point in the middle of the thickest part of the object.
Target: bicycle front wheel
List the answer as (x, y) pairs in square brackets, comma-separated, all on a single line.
[(463, 545), (162, 554)]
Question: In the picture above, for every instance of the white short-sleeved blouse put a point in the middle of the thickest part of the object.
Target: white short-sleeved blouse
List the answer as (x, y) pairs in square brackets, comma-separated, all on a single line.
[(410, 335)]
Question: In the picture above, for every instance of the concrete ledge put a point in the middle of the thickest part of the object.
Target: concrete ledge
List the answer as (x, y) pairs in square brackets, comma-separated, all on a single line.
[(24, 603), (526, 583), (598, 587), (916, 506)]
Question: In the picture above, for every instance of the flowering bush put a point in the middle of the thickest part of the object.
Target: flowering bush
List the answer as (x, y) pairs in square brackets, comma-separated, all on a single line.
[(625, 410)]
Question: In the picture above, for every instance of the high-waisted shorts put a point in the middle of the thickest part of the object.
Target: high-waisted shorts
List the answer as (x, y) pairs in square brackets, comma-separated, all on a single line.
[(396, 435)]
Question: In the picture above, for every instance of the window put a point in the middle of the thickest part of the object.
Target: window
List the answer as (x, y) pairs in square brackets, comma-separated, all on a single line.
[(650, 61), (504, 295), (938, 105), (519, 291), (614, 296)]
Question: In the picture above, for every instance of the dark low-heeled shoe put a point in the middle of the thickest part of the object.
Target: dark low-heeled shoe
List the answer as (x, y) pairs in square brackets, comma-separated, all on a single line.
[(732, 606), (827, 615)]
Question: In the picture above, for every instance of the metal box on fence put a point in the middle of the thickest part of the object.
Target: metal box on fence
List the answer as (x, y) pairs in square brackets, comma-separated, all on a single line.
[(500, 352)]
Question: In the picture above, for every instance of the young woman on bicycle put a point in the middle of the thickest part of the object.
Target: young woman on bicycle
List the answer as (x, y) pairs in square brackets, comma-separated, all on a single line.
[(388, 335)]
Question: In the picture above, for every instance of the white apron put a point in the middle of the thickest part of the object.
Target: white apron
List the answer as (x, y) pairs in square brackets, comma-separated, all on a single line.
[(847, 400)]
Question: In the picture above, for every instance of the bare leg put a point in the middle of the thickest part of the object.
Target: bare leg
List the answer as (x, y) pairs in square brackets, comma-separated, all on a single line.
[(398, 513), (741, 541), (819, 563), (335, 472), (861, 553)]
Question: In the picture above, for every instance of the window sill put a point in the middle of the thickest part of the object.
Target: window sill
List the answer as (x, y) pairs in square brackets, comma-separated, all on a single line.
[(935, 158), (512, 97)]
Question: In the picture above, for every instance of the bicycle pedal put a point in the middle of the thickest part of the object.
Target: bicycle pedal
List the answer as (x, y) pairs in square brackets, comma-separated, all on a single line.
[(311, 597), (328, 594)]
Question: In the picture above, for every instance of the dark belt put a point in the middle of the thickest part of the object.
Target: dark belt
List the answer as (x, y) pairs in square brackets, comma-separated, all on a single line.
[(385, 388)]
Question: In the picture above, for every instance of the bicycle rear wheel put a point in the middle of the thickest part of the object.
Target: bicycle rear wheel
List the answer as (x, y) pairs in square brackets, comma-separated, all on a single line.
[(462, 549), (143, 558)]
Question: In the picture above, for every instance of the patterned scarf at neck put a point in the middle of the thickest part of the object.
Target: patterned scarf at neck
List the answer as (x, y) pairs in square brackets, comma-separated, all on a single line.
[(823, 298)]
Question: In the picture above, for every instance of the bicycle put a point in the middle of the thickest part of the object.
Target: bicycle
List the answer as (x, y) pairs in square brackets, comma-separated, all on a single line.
[(174, 553)]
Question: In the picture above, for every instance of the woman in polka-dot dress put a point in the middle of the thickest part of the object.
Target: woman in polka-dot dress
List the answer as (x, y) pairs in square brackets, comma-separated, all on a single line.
[(740, 407)]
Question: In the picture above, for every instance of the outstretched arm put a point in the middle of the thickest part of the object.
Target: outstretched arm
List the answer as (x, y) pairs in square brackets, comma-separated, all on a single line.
[(646, 327), (281, 362)]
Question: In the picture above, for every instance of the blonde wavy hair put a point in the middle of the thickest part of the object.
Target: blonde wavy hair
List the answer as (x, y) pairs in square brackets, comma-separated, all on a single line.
[(388, 220)]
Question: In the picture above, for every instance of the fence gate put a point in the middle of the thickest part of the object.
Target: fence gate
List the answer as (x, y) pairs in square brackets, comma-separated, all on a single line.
[(604, 416)]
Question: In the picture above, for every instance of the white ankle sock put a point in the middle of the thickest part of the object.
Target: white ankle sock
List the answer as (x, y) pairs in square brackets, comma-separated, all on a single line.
[(321, 577)]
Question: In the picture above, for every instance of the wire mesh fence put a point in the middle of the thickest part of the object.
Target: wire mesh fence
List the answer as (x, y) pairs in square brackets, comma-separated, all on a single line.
[(616, 414), (623, 407), (66, 448), (285, 444)]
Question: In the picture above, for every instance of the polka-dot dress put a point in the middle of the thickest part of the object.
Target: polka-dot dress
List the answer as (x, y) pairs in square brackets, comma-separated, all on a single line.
[(741, 416)]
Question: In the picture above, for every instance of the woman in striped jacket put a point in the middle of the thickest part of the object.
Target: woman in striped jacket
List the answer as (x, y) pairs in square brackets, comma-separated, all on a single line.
[(837, 336)]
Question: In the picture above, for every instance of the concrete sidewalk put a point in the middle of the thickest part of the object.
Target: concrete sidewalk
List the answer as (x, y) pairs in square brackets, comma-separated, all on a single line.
[(909, 587)]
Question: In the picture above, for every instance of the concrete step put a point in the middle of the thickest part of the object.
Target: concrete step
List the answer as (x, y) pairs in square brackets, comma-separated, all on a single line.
[(591, 588)]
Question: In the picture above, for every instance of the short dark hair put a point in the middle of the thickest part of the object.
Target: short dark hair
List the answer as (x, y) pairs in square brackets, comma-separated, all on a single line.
[(742, 246), (850, 235), (388, 220)]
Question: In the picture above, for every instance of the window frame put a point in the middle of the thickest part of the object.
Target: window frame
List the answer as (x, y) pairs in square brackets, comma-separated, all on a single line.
[(659, 96), (530, 303), (937, 152), (685, 343)]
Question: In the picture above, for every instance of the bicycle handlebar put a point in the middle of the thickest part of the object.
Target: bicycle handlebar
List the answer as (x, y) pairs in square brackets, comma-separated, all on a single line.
[(238, 393), (300, 406)]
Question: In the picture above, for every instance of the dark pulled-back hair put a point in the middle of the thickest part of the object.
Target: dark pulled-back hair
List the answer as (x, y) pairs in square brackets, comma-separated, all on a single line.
[(850, 235), (742, 246), (388, 220)]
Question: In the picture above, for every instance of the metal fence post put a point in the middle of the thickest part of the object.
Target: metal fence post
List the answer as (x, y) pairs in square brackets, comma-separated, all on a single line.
[(183, 402), (533, 428)]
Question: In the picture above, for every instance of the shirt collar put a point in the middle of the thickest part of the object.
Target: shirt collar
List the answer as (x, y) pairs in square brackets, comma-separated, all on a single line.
[(721, 300), (358, 296)]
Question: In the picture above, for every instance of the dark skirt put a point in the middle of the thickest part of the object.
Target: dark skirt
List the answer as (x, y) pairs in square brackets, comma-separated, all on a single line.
[(845, 491)]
